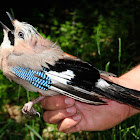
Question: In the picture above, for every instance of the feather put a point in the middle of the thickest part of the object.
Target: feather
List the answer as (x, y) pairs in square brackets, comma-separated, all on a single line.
[(107, 74), (60, 83), (77, 95), (57, 81), (36, 78), (119, 93), (82, 71)]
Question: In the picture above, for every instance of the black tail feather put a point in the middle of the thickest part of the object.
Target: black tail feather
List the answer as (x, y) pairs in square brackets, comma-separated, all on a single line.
[(121, 94)]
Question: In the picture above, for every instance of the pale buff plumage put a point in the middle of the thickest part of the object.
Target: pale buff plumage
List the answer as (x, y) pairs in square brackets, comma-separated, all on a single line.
[(32, 53)]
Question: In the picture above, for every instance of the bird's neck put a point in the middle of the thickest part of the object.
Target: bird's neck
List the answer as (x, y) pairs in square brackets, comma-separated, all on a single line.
[(4, 53)]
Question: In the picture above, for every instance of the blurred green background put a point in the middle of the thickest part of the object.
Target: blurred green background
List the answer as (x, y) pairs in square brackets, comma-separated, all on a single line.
[(104, 33)]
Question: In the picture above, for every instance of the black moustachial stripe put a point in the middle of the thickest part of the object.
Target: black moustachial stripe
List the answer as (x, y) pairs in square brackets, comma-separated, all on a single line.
[(11, 38)]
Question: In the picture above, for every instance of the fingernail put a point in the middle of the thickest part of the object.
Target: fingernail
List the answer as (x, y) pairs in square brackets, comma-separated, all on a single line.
[(77, 117), (69, 101), (71, 110)]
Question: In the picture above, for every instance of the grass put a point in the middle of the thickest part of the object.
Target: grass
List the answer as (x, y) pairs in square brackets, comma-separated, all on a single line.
[(98, 46), (128, 130), (107, 67), (119, 56), (33, 132)]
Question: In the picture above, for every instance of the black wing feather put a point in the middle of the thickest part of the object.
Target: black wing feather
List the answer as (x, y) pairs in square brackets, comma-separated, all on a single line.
[(86, 77), (86, 74)]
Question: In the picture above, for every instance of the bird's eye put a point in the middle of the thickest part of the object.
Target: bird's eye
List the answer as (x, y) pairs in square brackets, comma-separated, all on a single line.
[(21, 35)]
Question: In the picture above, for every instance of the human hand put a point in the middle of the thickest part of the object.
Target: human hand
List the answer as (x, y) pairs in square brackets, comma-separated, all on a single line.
[(72, 116)]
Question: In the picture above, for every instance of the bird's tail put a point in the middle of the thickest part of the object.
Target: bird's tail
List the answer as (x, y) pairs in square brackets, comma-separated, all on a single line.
[(119, 93)]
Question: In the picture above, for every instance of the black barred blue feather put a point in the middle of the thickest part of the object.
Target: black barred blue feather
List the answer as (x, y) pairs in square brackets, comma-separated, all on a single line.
[(37, 78)]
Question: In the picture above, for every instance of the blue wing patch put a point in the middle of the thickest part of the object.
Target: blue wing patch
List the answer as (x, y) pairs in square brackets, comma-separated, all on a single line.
[(37, 78)]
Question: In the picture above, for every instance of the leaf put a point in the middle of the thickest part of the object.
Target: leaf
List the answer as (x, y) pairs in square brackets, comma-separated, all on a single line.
[(3, 129), (34, 131), (119, 56), (98, 42), (107, 66)]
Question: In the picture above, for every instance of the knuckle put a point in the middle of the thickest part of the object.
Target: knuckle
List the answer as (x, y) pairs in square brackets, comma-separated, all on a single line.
[(61, 115), (53, 103), (56, 116), (49, 120), (57, 105), (52, 117)]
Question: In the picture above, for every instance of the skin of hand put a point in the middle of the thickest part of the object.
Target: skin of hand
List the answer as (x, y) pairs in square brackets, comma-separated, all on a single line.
[(72, 116)]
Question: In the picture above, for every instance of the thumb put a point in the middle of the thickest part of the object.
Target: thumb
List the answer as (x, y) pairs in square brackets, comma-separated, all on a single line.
[(70, 125)]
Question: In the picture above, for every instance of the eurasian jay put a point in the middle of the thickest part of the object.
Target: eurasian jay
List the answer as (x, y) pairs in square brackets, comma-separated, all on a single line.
[(40, 65)]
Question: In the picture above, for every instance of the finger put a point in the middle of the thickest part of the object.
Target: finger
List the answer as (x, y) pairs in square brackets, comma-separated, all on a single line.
[(57, 102), (56, 116), (69, 125)]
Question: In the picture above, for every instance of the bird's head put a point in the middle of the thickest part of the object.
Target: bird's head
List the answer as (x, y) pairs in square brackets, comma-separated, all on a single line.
[(23, 34), (25, 43)]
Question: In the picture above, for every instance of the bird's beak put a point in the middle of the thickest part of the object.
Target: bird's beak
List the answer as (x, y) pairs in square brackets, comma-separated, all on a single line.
[(4, 27), (11, 18), (14, 21), (8, 34)]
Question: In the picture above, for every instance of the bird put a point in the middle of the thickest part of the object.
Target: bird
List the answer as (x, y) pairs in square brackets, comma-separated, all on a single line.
[(41, 66)]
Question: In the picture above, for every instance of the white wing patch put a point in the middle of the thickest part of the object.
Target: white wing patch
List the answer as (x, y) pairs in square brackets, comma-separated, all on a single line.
[(61, 77), (102, 84), (60, 84)]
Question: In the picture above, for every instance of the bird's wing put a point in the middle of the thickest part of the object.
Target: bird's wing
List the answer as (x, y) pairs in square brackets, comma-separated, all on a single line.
[(87, 80), (68, 77), (75, 78), (84, 82)]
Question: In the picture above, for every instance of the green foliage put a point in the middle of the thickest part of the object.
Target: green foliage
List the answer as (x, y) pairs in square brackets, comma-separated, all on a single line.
[(89, 30), (33, 132)]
